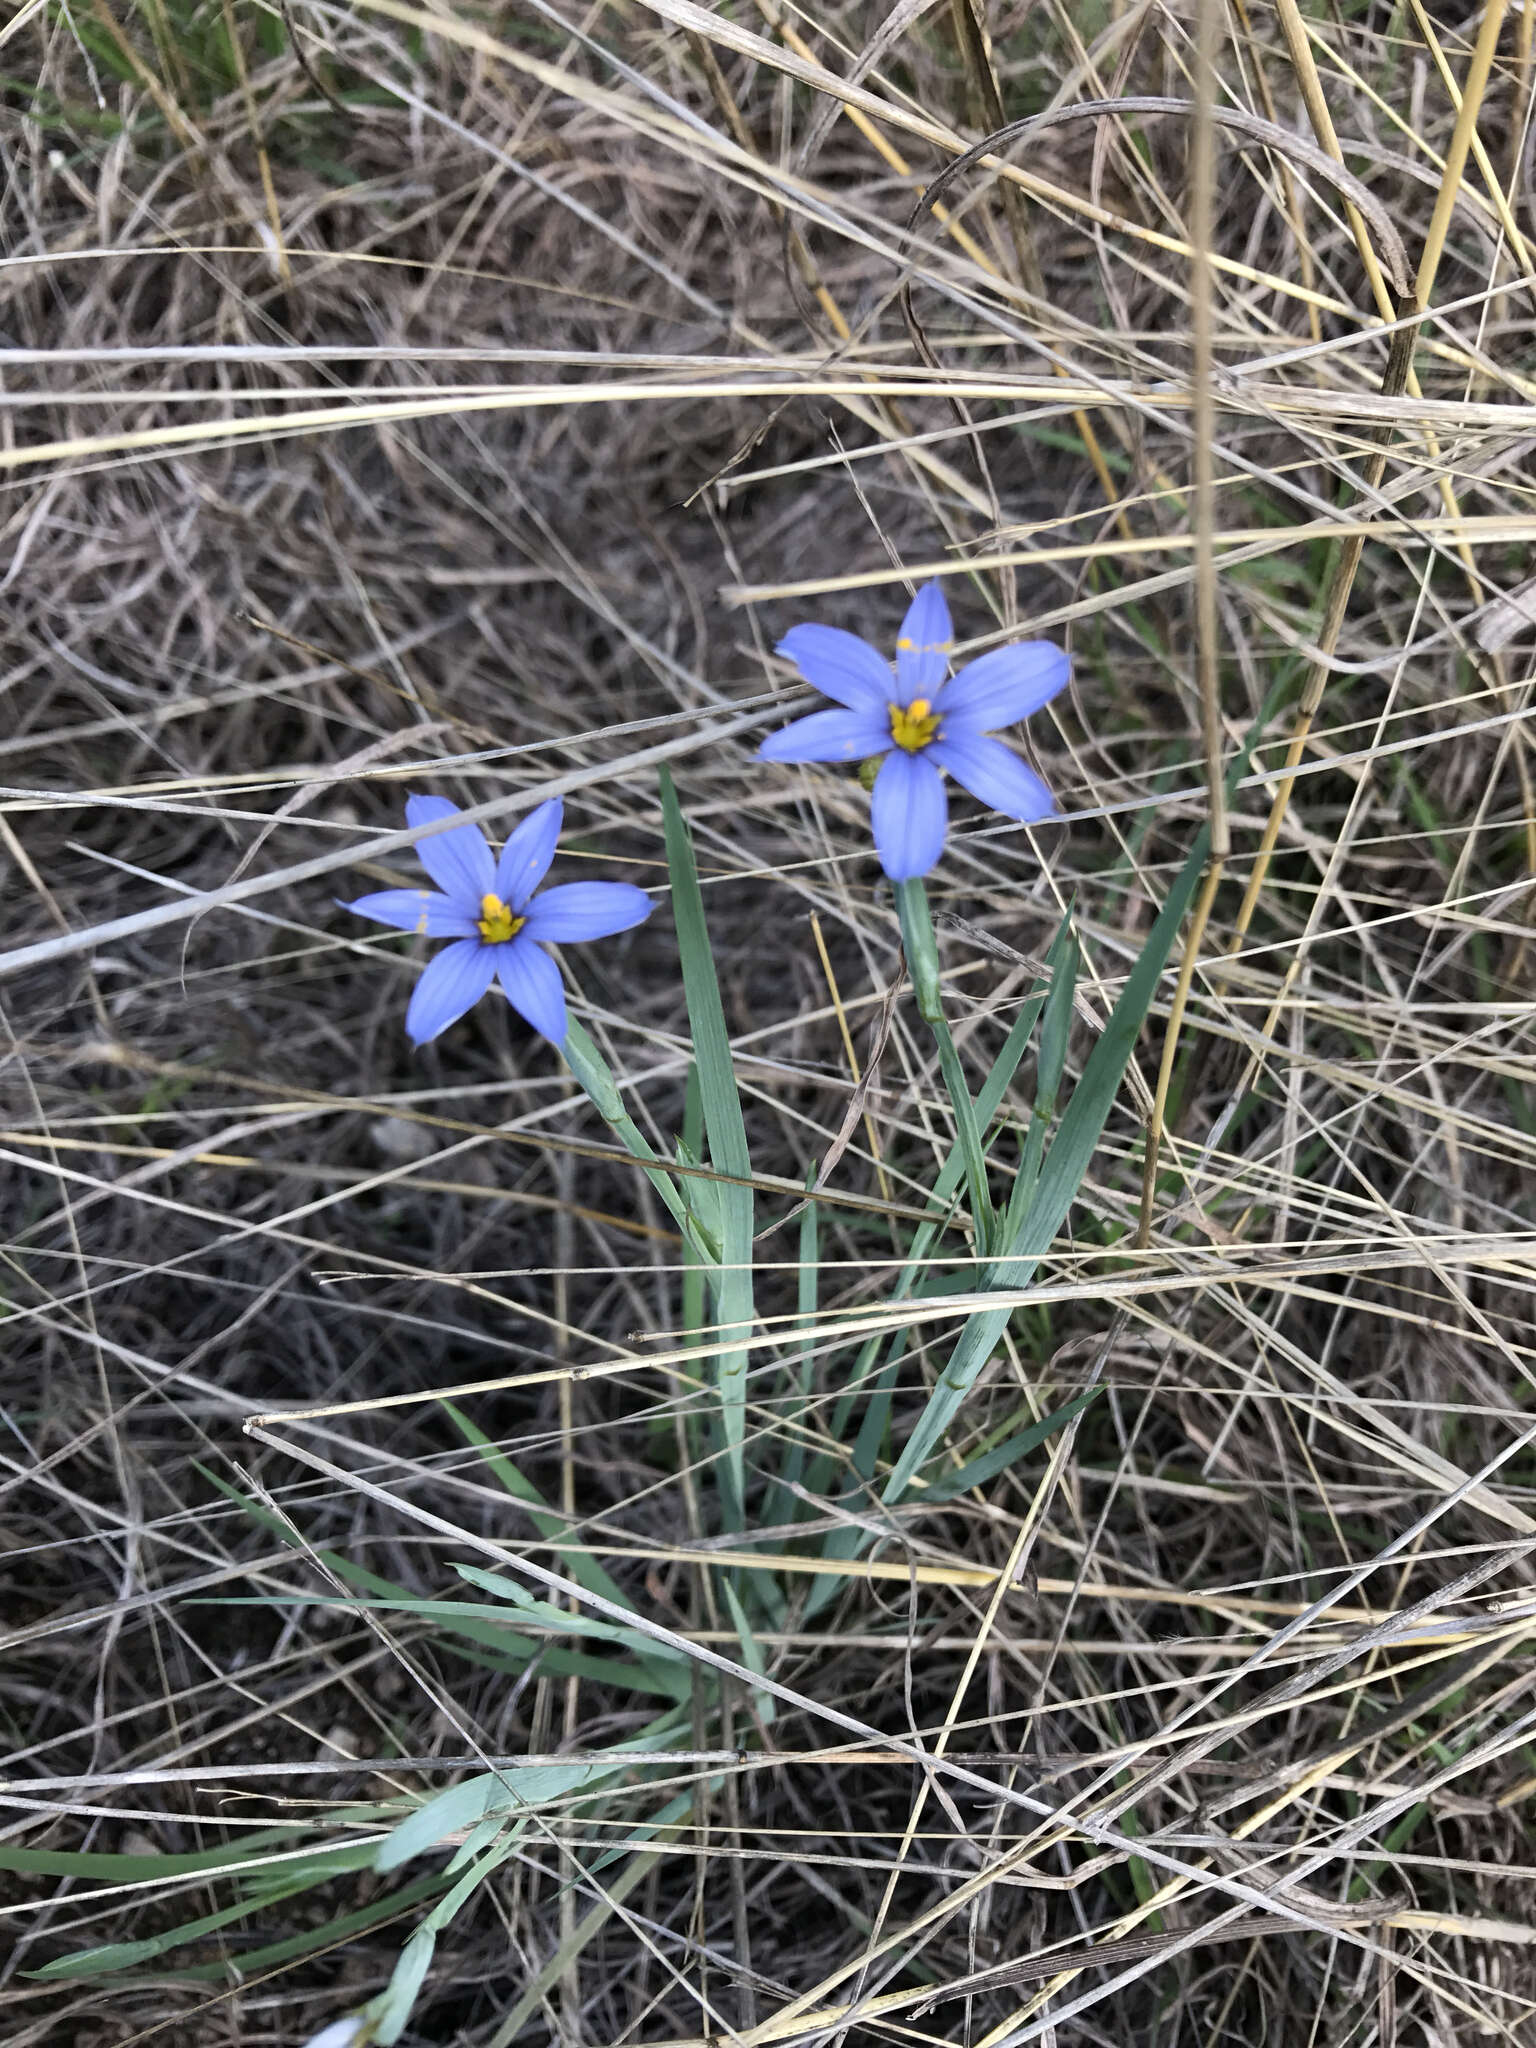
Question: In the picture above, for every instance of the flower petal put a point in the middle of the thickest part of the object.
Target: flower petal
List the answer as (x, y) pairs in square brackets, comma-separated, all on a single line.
[(415, 910), (586, 910), (908, 811), (532, 984), (347, 2033), (839, 664), (452, 982), (999, 778), (831, 736), (1004, 686), (459, 862), (923, 644), (528, 852)]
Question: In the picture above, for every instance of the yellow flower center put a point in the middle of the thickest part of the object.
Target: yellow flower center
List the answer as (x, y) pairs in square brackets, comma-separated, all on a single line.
[(914, 725), (497, 924)]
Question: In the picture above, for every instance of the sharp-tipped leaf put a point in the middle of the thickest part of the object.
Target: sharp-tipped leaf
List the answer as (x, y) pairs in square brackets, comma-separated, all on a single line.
[(726, 1133), (1062, 1175), (1056, 1024)]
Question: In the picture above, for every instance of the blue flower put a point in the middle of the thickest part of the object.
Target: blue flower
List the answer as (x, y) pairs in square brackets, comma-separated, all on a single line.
[(921, 724), (498, 927)]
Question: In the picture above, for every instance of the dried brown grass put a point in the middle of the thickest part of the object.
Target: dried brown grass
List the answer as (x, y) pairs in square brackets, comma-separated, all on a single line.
[(1249, 1637)]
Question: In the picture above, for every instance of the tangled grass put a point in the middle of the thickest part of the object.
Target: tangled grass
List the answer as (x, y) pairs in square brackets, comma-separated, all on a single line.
[(469, 400)]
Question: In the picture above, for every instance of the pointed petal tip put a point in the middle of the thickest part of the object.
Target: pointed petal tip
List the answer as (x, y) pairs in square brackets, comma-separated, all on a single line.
[(452, 982), (530, 847), (839, 664), (830, 736), (1004, 686), (996, 776), (421, 809), (531, 983), (909, 815), (458, 861), (575, 911), (923, 644)]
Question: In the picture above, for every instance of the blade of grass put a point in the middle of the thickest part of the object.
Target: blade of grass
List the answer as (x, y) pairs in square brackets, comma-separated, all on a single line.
[(993, 1089), (986, 1465), (727, 1135), (1061, 1177), (785, 1504), (923, 965)]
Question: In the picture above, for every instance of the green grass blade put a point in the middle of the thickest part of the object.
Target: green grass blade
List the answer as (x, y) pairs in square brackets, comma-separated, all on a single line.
[(784, 1505), (727, 1135), (1062, 1175), (573, 1622), (986, 1465), (591, 1070), (127, 1955), (843, 1542), (456, 1621), (1056, 1025), (923, 965), (515, 1790), (1027, 1180), (586, 1571), (751, 1652)]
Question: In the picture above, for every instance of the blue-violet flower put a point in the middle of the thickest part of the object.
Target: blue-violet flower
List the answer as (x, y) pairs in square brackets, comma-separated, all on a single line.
[(921, 724), (498, 926)]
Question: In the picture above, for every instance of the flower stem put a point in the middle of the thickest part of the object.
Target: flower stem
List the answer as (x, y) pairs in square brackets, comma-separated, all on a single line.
[(595, 1076), (922, 953)]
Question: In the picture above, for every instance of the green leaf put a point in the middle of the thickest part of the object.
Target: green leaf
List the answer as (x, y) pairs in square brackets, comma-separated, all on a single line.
[(727, 1137), (323, 1937), (986, 1465), (1027, 1180), (993, 1089), (575, 1622), (119, 1869), (1063, 1173), (703, 1202), (462, 1806), (696, 1262), (456, 1618), (586, 1571), (515, 1789), (292, 1879), (394, 2008), (668, 1816), (1073, 1150), (877, 1415), (846, 1543), (481, 1798), (118, 1955), (922, 957), (1056, 1025), (389, 2012), (784, 1504), (475, 1844), (751, 1650), (1006, 1065), (592, 1071)]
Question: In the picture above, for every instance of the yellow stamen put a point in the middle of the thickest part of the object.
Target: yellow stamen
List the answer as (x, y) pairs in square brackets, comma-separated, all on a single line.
[(914, 725), (497, 924)]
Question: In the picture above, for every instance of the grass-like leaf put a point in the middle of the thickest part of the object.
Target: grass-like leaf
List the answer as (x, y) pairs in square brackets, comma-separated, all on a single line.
[(726, 1133), (1060, 1177)]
